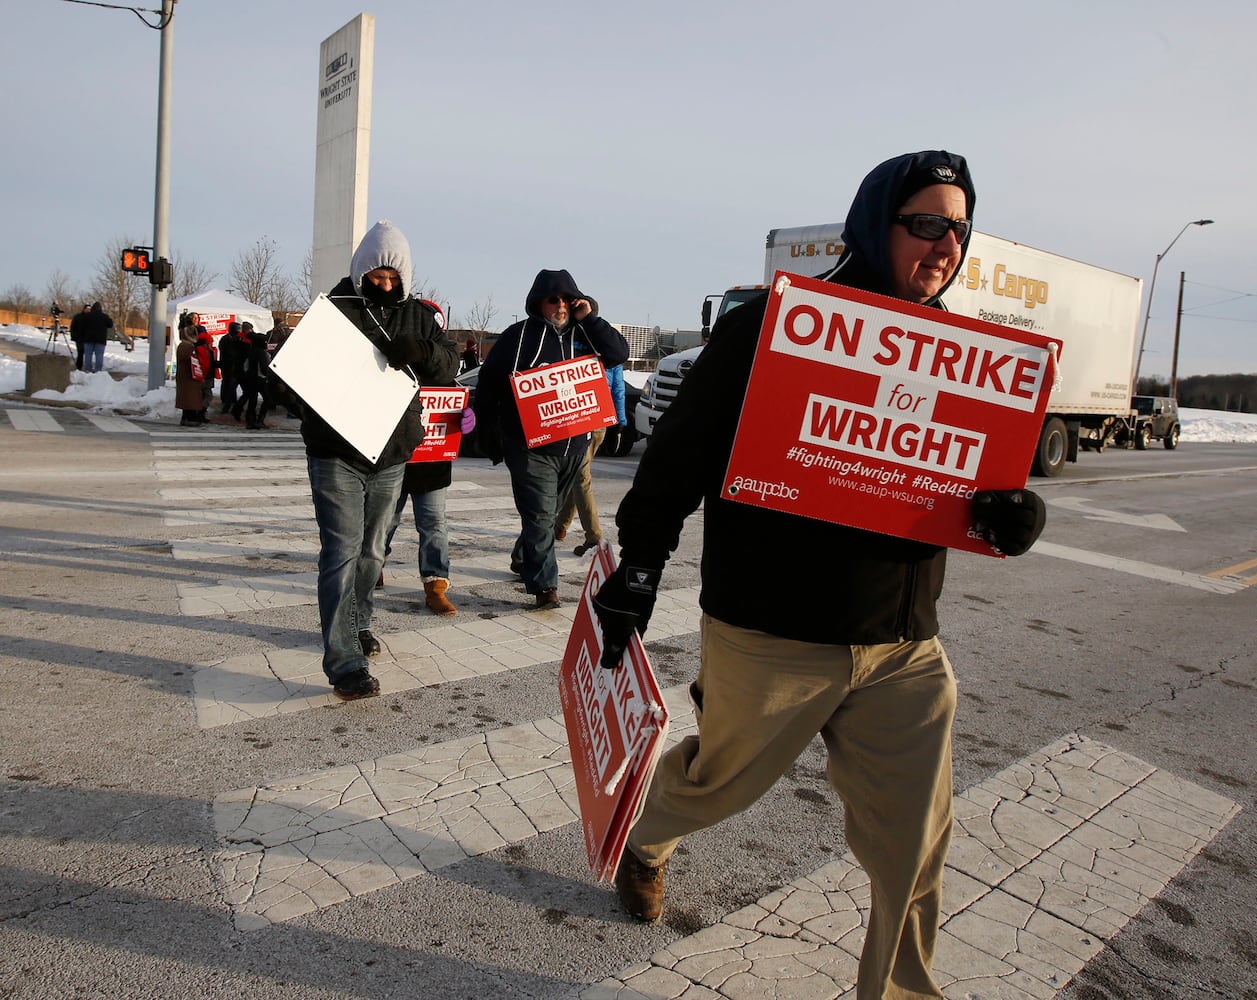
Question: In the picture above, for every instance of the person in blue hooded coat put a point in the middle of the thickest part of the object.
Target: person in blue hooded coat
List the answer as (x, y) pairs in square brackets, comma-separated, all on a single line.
[(562, 323), (850, 649)]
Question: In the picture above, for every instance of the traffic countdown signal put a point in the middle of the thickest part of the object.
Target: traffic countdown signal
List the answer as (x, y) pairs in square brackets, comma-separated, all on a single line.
[(135, 260)]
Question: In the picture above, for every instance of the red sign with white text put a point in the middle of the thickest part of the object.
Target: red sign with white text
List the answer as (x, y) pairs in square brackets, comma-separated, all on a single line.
[(562, 400), (616, 724), (885, 415), (442, 424)]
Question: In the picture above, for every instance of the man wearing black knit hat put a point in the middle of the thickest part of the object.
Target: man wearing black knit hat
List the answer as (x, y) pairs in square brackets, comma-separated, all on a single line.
[(852, 651)]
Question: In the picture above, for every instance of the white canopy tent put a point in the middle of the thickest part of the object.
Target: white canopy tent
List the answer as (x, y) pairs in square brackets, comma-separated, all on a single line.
[(217, 307)]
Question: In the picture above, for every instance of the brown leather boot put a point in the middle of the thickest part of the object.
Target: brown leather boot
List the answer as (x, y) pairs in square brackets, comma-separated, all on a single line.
[(435, 599), (640, 887)]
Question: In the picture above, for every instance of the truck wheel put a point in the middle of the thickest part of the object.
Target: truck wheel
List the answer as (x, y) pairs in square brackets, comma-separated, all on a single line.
[(1171, 440), (1142, 437), (1049, 457)]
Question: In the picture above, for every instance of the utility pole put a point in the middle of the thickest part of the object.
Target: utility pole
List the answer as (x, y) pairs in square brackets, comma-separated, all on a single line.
[(1178, 323), (157, 351)]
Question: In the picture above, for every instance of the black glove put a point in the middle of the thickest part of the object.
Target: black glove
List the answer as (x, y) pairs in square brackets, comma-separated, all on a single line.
[(404, 351), (623, 603), (1010, 520)]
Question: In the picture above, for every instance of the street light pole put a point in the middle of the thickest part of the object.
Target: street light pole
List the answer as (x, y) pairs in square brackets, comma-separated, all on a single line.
[(1139, 358), (161, 204)]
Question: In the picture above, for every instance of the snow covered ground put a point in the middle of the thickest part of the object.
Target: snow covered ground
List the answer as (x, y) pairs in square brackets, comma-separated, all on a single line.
[(104, 394)]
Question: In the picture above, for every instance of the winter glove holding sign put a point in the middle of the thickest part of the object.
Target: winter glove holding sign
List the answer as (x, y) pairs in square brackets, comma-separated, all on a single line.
[(623, 603), (1010, 520)]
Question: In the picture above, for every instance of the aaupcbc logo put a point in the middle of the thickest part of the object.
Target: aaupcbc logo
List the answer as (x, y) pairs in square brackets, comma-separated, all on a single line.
[(762, 489)]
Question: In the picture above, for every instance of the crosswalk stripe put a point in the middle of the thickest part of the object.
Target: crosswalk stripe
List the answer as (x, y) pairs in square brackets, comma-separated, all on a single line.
[(296, 846), (113, 424), (1050, 858), (33, 420), (283, 681)]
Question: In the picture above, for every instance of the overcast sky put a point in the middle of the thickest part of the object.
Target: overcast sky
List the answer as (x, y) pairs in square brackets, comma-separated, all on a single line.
[(650, 146)]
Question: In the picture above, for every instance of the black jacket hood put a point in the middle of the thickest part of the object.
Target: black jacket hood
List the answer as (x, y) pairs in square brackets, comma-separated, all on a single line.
[(866, 235), (549, 283)]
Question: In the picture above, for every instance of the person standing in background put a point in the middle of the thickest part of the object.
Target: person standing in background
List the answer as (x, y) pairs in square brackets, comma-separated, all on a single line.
[(78, 324), (95, 335)]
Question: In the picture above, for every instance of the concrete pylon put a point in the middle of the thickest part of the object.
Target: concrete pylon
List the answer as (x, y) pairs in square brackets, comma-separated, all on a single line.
[(343, 149)]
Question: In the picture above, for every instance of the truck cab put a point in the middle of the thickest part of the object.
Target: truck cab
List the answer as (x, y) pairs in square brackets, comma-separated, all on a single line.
[(661, 387)]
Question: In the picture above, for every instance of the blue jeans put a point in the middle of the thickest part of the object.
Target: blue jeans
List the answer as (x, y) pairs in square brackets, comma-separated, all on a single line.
[(93, 357), (434, 533), (355, 512), (539, 482)]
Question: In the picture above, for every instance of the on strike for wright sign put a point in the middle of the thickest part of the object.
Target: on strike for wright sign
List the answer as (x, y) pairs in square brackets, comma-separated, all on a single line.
[(885, 415)]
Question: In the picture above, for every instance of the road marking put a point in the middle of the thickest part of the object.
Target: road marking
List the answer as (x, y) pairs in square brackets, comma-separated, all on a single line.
[(1231, 573), (293, 847), (33, 420), (1082, 505), (283, 681), (113, 424), (1135, 568), (1050, 858)]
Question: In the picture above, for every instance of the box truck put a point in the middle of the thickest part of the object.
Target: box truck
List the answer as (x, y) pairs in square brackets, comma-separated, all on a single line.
[(1094, 312)]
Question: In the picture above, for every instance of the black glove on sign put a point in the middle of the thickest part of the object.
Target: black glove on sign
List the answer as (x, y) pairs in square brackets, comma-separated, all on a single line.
[(623, 603), (1010, 520)]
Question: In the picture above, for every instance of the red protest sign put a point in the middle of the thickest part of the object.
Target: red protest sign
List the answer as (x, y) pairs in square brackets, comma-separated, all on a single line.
[(442, 424), (562, 400), (616, 723), (885, 415)]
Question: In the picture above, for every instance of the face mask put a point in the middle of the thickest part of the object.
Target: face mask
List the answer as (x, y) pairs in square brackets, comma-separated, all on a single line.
[(378, 296)]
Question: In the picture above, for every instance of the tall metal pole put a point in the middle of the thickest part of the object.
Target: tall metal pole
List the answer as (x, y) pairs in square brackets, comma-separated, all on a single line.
[(157, 349), (1178, 323), (1152, 285)]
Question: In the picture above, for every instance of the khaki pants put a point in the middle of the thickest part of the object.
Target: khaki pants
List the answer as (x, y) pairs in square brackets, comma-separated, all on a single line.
[(581, 500), (885, 714)]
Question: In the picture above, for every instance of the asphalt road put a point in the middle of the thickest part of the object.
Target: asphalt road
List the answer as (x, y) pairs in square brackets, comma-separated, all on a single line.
[(111, 844)]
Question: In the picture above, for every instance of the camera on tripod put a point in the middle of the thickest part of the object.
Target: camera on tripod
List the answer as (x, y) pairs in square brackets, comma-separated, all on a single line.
[(55, 309)]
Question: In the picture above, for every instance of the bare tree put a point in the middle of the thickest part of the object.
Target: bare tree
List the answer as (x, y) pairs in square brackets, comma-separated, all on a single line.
[(124, 296), (21, 298), (191, 276), (479, 316), (285, 297), (58, 290), (305, 284), (255, 273)]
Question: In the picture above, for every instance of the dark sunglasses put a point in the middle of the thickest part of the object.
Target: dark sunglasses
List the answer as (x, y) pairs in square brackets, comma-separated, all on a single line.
[(934, 227), (554, 300)]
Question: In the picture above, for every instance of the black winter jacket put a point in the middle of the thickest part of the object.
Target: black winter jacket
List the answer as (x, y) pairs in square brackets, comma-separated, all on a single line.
[(419, 341), (531, 344), (779, 573)]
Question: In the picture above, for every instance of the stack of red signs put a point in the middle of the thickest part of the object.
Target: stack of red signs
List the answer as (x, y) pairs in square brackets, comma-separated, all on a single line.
[(442, 424), (616, 725), (562, 400)]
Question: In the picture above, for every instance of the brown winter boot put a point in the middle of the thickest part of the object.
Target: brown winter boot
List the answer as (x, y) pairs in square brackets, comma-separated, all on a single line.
[(435, 599)]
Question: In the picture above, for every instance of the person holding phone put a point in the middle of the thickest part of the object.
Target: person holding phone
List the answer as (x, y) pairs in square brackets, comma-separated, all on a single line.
[(559, 318)]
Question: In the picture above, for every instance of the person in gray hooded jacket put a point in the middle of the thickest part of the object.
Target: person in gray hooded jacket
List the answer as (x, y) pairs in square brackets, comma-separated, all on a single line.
[(355, 499)]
